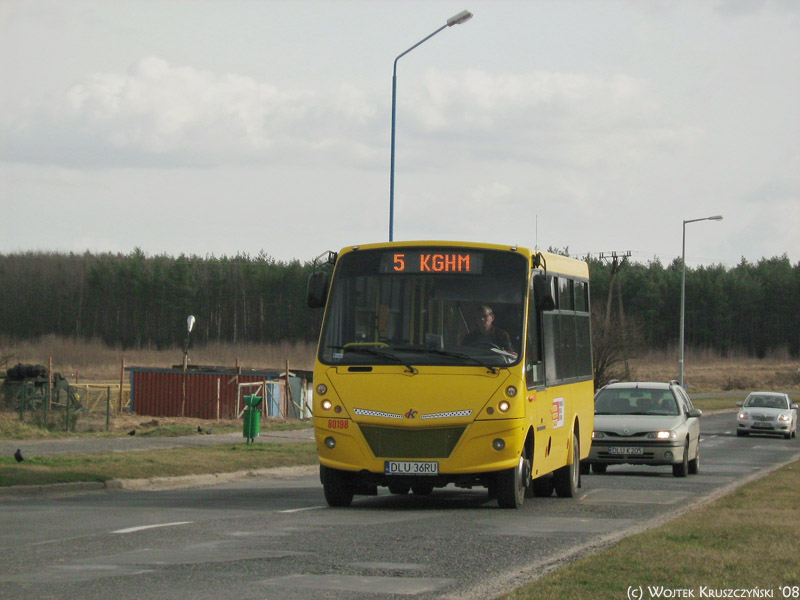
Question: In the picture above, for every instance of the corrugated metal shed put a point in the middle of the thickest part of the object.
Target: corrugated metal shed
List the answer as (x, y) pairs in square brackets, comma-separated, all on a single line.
[(211, 392)]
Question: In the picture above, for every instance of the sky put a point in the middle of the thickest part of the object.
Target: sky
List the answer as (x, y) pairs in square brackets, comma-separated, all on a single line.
[(225, 127)]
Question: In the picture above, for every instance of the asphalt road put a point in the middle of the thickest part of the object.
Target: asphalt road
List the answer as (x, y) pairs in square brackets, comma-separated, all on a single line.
[(269, 537)]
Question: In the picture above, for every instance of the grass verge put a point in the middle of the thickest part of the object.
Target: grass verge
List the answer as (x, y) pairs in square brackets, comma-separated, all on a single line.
[(744, 541), (154, 463), (12, 428)]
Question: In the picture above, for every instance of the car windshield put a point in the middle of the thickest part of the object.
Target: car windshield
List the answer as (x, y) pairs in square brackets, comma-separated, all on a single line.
[(764, 401), (637, 401), (426, 306)]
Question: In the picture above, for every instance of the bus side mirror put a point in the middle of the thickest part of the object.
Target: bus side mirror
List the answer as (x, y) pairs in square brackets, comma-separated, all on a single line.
[(317, 291), (541, 294)]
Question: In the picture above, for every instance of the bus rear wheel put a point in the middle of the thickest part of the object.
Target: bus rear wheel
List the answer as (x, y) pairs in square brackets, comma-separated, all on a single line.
[(511, 484), (567, 479), (338, 490)]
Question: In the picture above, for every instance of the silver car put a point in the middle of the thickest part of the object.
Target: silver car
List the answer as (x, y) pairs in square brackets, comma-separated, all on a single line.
[(645, 424), (767, 412)]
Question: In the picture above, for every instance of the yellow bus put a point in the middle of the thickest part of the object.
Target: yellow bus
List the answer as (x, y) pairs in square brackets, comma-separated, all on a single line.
[(452, 363)]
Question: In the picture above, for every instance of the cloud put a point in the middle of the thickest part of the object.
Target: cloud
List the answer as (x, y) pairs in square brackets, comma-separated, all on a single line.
[(159, 115), (571, 119), (156, 114)]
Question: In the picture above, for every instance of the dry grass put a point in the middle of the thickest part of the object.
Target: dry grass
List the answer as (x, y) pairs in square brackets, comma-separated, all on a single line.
[(80, 360), (745, 540), (11, 428), (706, 371)]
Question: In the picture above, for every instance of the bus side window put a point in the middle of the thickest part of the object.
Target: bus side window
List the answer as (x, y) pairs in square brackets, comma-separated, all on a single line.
[(534, 367)]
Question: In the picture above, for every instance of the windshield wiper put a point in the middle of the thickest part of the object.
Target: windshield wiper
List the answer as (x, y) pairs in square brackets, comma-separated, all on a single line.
[(383, 352), (427, 349)]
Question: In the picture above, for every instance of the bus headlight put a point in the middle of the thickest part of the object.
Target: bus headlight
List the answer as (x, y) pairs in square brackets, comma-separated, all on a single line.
[(511, 391), (326, 404), (322, 389), (330, 443), (503, 406), (499, 444)]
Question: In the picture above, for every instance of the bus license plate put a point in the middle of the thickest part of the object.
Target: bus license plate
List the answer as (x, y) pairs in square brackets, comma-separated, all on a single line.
[(632, 450), (399, 467)]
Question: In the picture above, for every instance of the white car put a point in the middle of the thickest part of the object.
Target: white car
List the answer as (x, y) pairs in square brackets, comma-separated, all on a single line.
[(767, 412), (645, 423)]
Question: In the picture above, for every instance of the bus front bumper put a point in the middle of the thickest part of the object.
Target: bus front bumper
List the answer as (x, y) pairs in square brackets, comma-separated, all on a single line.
[(386, 454)]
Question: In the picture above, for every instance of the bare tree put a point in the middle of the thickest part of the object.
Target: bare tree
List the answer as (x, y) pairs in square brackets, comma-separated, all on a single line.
[(614, 341)]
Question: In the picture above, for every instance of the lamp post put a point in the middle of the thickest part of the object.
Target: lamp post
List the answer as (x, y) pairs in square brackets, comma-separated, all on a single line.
[(683, 288), (461, 17), (189, 326)]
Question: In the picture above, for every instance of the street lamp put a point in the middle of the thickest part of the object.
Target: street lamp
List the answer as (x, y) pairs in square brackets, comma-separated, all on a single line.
[(683, 288), (189, 326), (461, 17)]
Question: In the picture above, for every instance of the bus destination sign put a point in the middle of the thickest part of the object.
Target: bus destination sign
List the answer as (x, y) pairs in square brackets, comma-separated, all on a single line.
[(432, 261)]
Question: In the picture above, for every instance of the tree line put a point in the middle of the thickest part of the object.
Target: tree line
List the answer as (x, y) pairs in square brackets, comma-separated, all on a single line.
[(752, 308), (140, 301)]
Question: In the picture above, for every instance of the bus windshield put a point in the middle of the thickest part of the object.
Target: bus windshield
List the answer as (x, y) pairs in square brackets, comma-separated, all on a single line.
[(426, 306)]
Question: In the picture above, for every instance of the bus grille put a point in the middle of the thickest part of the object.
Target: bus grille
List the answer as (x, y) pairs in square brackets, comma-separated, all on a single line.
[(392, 442)]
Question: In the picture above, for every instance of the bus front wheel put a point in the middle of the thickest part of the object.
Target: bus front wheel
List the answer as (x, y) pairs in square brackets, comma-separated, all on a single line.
[(338, 491), (511, 484)]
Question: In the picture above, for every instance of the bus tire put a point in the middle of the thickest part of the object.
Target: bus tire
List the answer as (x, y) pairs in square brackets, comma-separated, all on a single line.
[(567, 479), (511, 486), (338, 491), (542, 486)]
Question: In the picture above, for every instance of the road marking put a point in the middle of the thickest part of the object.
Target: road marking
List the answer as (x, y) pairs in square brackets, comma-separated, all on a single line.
[(296, 510), (142, 527)]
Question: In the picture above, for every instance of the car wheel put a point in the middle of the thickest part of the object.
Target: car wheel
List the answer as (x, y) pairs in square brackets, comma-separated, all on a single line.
[(511, 486), (694, 464), (338, 491), (567, 479), (600, 469), (787, 436), (681, 469)]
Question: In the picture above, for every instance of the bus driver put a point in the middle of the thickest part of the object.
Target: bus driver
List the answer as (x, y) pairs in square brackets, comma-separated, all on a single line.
[(486, 333)]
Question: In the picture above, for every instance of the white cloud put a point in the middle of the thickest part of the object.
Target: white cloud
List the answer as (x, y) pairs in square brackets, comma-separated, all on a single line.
[(159, 114)]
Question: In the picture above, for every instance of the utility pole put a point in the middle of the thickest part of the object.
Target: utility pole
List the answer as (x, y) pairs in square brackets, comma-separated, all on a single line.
[(617, 261)]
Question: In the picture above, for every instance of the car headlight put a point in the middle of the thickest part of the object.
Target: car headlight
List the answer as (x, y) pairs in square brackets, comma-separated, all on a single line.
[(597, 435), (663, 435), (784, 418), (743, 416)]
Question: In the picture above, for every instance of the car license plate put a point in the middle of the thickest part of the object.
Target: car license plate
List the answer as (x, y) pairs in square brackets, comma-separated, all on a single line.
[(633, 450), (399, 467), (762, 425)]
